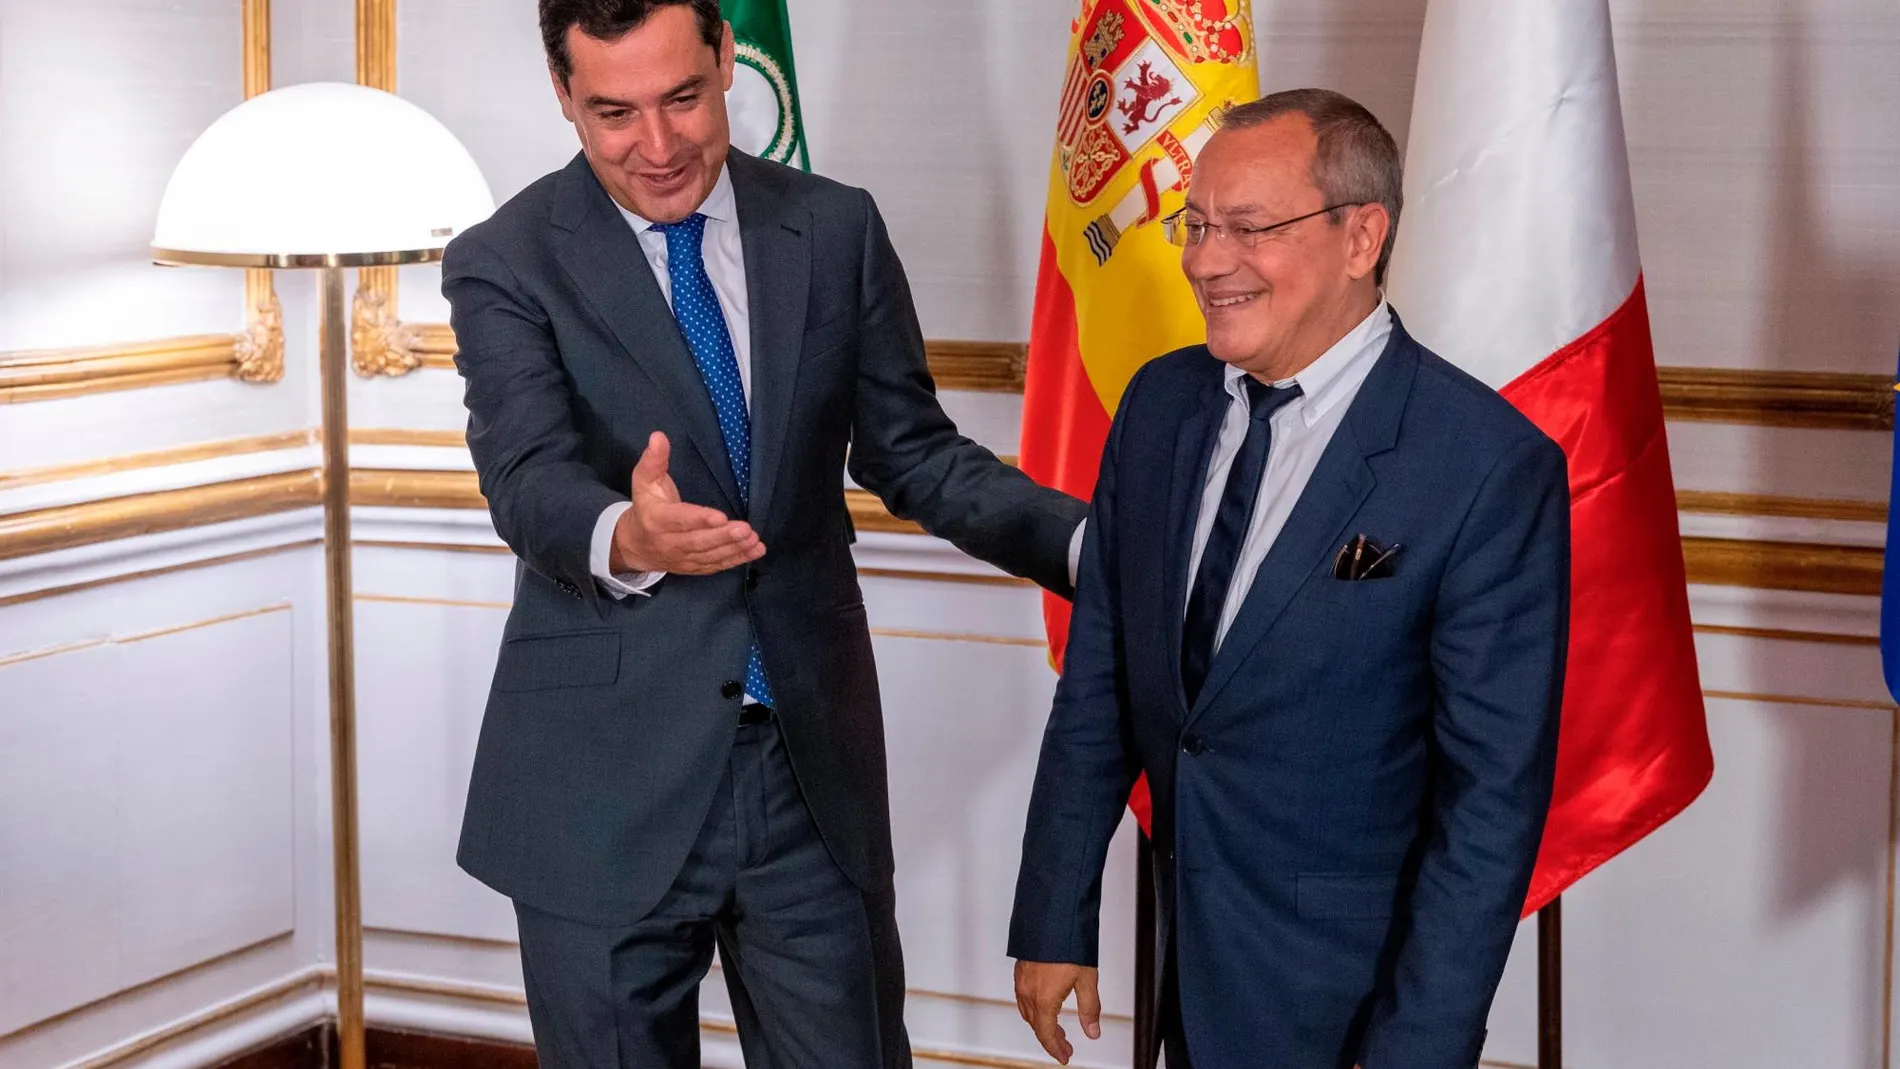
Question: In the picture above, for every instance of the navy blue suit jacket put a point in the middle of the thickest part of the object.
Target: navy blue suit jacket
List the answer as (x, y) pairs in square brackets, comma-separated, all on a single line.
[(1346, 820)]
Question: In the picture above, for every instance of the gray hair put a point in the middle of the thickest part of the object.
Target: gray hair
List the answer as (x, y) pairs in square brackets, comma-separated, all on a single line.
[(1357, 161)]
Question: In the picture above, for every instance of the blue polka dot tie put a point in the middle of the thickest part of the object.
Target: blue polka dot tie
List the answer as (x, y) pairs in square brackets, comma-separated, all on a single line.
[(696, 306)]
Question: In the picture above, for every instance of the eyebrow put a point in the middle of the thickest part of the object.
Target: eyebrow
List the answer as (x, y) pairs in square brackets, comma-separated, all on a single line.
[(696, 82), (1235, 209)]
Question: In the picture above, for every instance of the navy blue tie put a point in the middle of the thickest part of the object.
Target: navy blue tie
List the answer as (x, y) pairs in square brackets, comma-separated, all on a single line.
[(1208, 599), (696, 306)]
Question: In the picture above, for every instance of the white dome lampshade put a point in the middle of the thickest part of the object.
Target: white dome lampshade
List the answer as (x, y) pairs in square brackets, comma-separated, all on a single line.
[(320, 174)]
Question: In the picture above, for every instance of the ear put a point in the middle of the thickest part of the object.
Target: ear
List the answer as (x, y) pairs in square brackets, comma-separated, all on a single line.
[(728, 54), (560, 94), (1366, 228)]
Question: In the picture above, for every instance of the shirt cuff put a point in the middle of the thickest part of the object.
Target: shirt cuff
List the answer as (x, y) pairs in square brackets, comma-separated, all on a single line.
[(600, 558), (1075, 550)]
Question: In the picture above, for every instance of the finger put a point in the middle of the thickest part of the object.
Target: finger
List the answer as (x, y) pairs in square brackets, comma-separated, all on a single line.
[(651, 467), (709, 565), (676, 516), (1088, 1004), (1049, 1032), (689, 544), (721, 557)]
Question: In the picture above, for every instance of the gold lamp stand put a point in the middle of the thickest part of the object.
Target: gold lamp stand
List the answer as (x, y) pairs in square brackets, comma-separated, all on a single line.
[(334, 362)]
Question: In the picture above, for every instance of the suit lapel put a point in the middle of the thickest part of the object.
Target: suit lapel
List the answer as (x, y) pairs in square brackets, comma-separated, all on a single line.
[(1193, 450), (603, 259), (775, 234), (1340, 484)]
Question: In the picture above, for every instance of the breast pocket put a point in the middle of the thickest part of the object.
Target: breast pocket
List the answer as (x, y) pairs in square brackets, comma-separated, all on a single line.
[(551, 662)]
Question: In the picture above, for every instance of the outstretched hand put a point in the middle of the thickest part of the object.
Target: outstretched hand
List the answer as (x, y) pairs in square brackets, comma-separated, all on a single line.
[(661, 533)]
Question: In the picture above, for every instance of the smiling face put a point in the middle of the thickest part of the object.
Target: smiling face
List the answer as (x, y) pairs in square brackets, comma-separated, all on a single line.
[(1275, 308), (650, 109)]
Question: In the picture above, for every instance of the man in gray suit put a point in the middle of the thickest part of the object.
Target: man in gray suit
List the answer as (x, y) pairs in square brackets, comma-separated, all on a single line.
[(668, 347)]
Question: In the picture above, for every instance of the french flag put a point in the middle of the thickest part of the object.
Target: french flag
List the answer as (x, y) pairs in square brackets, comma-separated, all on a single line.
[(1517, 260)]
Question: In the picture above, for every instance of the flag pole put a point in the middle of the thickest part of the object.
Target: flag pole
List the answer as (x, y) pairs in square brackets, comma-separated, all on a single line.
[(1145, 987), (1550, 985)]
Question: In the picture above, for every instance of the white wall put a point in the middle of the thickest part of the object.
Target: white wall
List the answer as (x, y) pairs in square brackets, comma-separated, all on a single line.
[(163, 829), (163, 850), (1765, 150)]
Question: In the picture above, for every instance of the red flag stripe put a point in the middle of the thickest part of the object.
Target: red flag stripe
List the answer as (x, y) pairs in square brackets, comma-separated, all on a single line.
[(1065, 425), (1633, 749)]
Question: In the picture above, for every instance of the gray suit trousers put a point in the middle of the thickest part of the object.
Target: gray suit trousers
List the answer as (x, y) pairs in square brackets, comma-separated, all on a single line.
[(812, 963)]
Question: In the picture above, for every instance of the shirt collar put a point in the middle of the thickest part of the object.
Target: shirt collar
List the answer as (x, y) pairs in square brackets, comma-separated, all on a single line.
[(719, 206), (1338, 371)]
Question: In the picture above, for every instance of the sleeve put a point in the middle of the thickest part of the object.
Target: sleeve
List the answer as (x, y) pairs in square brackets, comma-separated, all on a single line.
[(544, 499), (618, 585), (907, 451), (1088, 763), (1499, 639)]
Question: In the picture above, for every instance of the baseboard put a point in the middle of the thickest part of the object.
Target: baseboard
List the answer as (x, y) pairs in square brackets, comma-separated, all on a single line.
[(386, 1048)]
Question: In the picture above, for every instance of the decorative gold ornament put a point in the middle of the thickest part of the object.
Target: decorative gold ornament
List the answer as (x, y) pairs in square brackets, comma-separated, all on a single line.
[(379, 342), (259, 348)]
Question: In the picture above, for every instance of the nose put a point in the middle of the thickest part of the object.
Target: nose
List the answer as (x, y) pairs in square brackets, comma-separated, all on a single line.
[(1212, 258), (658, 140)]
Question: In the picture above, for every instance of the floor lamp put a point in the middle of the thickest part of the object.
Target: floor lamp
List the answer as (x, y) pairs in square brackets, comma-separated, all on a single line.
[(326, 176)]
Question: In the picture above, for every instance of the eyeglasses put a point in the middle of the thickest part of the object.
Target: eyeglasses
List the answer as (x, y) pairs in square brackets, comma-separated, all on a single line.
[(1182, 231)]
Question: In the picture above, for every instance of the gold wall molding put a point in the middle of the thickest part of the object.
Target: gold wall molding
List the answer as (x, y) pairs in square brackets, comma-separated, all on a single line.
[(409, 488), (153, 573), (406, 436), (259, 347), (380, 343), (142, 636), (157, 458), (25, 534), (1803, 566), (252, 354), (435, 346), (1812, 399), (1815, 399), (1776, 634), (984, 366), (869, 514), (1803, 508), (49, 374), (990, 367), (1798, 566)]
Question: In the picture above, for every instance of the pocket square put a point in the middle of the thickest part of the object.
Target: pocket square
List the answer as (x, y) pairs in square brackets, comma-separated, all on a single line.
[(1365, 558)]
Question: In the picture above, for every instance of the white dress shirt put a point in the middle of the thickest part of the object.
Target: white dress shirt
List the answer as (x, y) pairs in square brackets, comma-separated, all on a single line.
[(1301, 431), (725, 265)]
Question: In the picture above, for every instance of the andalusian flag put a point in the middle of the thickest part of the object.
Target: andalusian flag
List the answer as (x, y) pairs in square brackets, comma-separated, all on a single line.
[(763, 104), (1145, 81)]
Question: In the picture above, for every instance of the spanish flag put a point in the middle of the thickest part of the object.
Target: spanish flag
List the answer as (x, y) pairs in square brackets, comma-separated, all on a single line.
[(1145, 82)]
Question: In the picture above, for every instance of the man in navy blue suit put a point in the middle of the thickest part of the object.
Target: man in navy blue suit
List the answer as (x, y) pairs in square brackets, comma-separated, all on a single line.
[(1322, 604)]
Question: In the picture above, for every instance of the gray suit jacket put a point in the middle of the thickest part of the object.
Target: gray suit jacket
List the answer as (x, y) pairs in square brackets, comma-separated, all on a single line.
[(608, 723)]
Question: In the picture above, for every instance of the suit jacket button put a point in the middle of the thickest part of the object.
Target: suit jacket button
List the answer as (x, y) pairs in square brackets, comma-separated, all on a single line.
[(731, 688), (1192, 745), (752, 579)]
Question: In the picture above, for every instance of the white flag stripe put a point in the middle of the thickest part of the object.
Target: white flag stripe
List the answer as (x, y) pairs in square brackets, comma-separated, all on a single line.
[(1519, 231)]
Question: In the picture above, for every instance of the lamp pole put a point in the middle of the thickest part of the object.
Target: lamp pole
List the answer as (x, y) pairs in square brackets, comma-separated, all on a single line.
[(333, 356)]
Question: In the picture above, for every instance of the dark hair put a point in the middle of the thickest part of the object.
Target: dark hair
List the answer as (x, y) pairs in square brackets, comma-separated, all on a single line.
[(609, 20), (1357, 162)]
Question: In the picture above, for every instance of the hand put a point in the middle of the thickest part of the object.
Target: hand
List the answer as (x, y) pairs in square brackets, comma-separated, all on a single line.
[(660, 533), (1042, 988)]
